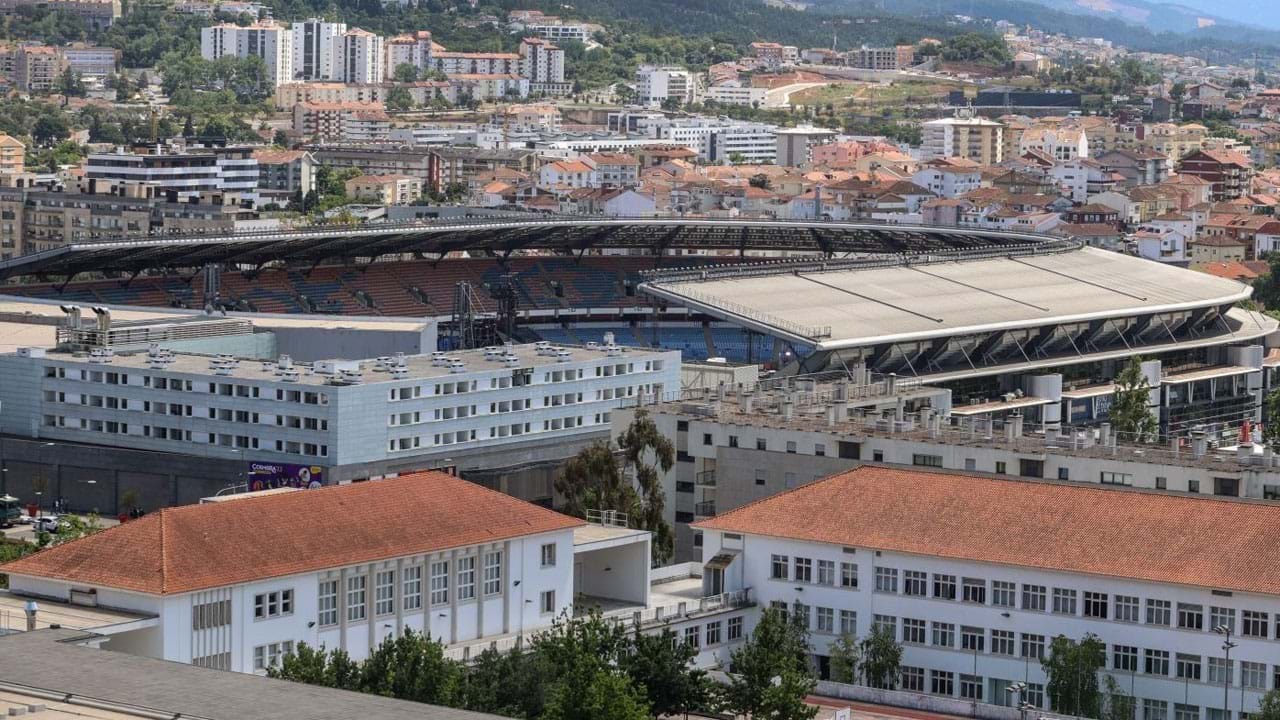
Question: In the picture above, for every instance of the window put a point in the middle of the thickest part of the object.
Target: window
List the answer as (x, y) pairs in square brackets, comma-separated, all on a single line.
[(1000, 467), (1003, 594), (1190, 617), (735, 628), (467, 578), (975, 590), (762, 444), (548, 604), (944, 586), (972, 639), (849, 623), (804, 570), (970, 687), (1253, 675), (691, 635), (1034, 694), (327, 602), (1155, 710), (1115, 478), (927, 460), (1064, 601), (791, 447), (1254, 624), (1193, 486), (272, 604), (826, 621), (1187, 666), (944, 634), (356, 598), (713, 633), (493, 572), (1222, 616), (1033, 597), (1156, 662), (1032, 646), (270, 655), (1186, 712), (915, 582), (1095, 605), (1158, 612), (941, 682), (887, 579), (211, 614), (1124, 657), (1219, 671), (1002, 642), (885, 623), (412, 581), (913, 631), (549, 555), (778, 569), (1127, 608), (761, 477), (849, 575), (707, 439), (826, 572), (440, 581), (384, 592), (912, 679)]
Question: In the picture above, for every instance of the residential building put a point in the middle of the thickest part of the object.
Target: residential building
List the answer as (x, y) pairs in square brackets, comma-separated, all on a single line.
[(347, 122), (89, 61), (795, 145), (736, 95), (614, 170), (226, 169), (460, 63), (97, 14), (285, 174), (542, 64), (882, 58), (314, 43), (264, 38), (966, 136), (1138, 167), (357, 57), (13, 155), (949, 177), (37, 68), (385, 189), (450, 165), (976, 604), (658, 84), (1228, 171)]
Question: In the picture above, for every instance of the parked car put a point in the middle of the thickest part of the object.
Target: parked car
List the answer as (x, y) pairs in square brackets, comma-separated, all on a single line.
[(47, 523)]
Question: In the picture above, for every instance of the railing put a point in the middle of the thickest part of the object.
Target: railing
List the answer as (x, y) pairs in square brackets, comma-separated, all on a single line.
[(608, 518), (705, 478), (675, 612), (706, 508)]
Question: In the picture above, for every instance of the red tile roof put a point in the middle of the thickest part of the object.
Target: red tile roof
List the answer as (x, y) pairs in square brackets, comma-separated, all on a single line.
[(196, 547), (1075, 528)]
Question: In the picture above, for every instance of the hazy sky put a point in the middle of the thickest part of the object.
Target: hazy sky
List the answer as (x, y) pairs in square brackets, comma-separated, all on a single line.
[(1256, 12)]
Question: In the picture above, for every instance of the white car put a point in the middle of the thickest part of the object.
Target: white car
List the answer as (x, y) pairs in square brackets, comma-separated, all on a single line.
[(48, 523)]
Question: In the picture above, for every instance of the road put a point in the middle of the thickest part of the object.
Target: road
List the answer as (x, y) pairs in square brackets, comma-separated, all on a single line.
[(781, 96)]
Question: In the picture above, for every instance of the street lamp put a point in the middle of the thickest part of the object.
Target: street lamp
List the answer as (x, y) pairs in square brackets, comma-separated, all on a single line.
[(1225, 631), (1018, 689)]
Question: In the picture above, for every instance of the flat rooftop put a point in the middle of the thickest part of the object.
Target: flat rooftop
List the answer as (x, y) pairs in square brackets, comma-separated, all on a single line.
[(418, 367), (13, 616), (920, 301), (80, 681)]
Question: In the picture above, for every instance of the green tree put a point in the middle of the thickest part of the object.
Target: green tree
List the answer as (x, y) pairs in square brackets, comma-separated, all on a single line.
[(1071, 668), (405, 73), (785, 699), (597, 479), (412, 667), (1271, 428), (1119, 705), (398, 98), (846, 659), (662, 668), (70, 527), (50, 128), (776, 652), (70, 84), (1268, 706), (881, 658), (305, 665), (1130, 412), (595, 693)]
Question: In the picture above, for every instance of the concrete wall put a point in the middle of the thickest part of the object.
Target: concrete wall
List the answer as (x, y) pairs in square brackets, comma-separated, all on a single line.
[(611, 573), (309, 343)]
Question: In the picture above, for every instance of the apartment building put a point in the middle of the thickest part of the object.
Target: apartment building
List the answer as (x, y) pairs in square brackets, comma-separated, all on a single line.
[(736, 95), (413, 49), (542, 64), (657, 84), (37, 68), (314, 43), (385, 189), (1226, 170), (357, 57), (97, 14), (221, 169), (882, 58), (975, 576), (795, 145), (265, 39), (89, 61), (341, 121), (13, 155), (966, 136), (463, 63), (283, 174), (449, 165)]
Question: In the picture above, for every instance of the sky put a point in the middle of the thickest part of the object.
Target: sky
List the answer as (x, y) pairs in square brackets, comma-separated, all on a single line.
[(1265, 13)]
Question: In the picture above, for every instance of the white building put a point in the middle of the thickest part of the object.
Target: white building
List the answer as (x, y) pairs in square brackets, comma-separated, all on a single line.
[(542, 64), (313, 48), (737, 95), (656, 84), (975, 576), (357, 57), (716, 140), (265, 39), (967, 136), (949, 177), (188, 174)]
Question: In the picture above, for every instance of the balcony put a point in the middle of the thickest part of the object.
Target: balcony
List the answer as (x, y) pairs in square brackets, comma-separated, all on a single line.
[(706, 478), (705, 509)]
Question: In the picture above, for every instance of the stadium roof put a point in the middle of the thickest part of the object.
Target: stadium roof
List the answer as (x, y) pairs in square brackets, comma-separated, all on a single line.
[(845, 308), (497, 236)]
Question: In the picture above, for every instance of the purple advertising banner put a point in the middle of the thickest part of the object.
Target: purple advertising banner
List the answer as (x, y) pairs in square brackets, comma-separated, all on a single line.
[(266, 476)]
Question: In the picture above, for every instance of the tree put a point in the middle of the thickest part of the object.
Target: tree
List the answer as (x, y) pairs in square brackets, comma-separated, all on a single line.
[(1271, 429), (1119, 706), (776, 652), (280, 138), (405, 73), (759, 180), (70, 84), (785, 699), (846, 659), (70, 527), (305, 665), (1130, 412), (412, 667), (596, 479), (662, 668), (398, 98), (1072, 671), (595, 694), (881, 658), (49, 129), (1268, 706)]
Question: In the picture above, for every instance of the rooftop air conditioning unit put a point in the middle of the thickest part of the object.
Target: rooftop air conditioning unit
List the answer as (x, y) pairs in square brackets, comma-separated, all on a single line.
[(457, 366), (289, 376)]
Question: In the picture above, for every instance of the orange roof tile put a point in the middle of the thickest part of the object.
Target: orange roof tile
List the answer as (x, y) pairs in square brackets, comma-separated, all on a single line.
[(195, 547), (1073, 528)]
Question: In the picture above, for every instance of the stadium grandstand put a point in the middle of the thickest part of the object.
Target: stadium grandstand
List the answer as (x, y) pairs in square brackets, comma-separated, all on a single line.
[(1006, 321)]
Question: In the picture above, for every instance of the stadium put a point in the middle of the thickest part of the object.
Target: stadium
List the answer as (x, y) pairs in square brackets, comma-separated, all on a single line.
[(986, 314)]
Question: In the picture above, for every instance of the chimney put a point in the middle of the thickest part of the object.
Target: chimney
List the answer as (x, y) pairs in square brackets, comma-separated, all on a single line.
[(831, 416), (1104, 434), (1009, 430), (1017, 425), (32, 609), (1199, 443), (747, 400), (1244, 452)]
